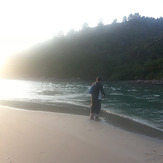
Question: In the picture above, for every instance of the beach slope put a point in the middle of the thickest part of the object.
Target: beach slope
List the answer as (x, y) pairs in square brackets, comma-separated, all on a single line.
[(46, 137)]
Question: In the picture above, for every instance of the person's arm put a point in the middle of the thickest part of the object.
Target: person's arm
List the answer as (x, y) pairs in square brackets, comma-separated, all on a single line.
[(102, 90)]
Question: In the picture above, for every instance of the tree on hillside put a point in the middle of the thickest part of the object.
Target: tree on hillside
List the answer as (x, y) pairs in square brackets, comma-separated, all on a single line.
[(85, 26), (124, 19), (114, 21), (100, 23), (121, 51), (134, 16)]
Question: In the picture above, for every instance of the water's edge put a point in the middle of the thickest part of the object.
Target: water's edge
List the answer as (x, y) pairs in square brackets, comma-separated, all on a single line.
[(112, 119)]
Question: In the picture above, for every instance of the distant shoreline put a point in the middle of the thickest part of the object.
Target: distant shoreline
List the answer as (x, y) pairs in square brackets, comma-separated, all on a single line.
[(113, 119), (153, 81), (141, 81)]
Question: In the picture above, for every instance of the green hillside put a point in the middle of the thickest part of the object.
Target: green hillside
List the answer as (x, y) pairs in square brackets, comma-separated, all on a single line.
[(129, 50)]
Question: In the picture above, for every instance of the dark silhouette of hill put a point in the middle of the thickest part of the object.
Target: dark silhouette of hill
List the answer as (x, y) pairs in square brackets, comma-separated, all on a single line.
[(129, 50)]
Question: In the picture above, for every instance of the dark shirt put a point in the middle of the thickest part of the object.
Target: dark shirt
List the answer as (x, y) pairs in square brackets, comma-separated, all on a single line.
[(97, 86)]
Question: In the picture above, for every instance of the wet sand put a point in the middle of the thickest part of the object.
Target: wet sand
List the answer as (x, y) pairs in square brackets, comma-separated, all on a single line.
[(28, 136), (112, 119)]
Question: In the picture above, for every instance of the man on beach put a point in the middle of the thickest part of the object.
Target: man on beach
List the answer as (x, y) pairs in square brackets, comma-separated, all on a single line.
[(97, 91)]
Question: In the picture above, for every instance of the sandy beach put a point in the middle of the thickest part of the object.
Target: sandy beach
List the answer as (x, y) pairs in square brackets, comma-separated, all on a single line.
[(49, 137)]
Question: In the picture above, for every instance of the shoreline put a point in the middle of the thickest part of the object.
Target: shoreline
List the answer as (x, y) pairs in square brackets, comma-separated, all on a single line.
[(138, 81), (110, 118), (45, 137)]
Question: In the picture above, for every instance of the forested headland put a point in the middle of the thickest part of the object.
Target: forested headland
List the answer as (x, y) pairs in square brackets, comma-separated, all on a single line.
[(130, 50)]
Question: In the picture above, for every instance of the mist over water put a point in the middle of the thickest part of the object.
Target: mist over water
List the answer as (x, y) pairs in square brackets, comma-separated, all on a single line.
[(140, 102)]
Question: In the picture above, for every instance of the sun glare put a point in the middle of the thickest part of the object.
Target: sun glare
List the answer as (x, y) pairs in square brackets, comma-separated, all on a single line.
[(3, 58), (6, 49), (11, 46), (2, 61), (13, 89)]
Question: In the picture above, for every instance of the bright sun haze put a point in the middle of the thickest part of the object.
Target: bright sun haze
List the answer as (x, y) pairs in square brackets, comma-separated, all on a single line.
[(27, 22)]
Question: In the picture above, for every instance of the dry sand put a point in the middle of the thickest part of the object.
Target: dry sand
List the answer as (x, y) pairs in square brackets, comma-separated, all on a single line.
[(44, 137)]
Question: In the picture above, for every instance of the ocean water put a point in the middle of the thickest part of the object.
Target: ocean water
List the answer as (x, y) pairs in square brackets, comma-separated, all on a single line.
[(138, 102)]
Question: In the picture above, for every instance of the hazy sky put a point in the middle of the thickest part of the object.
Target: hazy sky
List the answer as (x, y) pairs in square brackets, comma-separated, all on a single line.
[(26, 22)]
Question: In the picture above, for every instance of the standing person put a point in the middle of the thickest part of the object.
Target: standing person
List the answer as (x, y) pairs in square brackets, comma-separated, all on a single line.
[(97, 91)]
